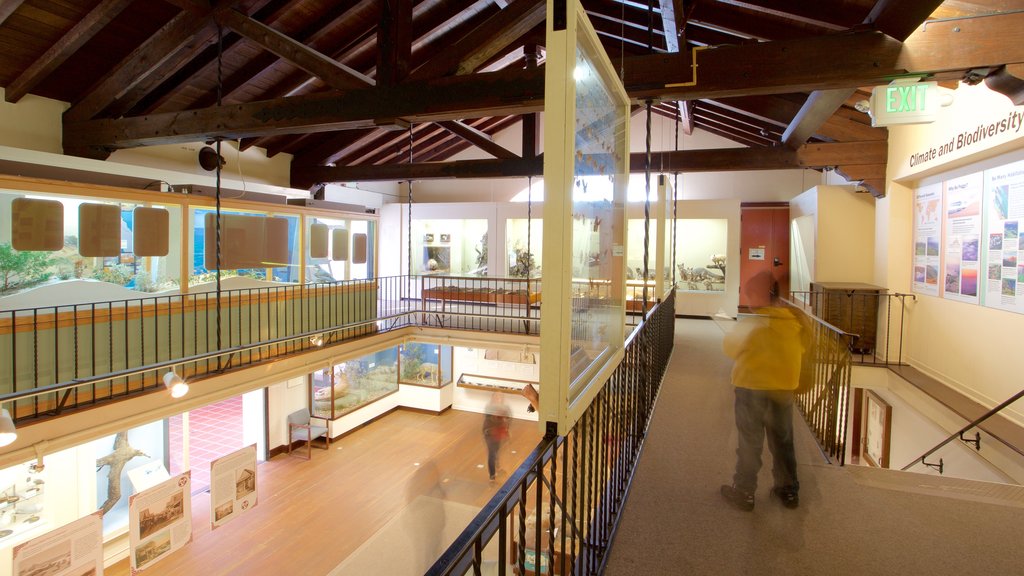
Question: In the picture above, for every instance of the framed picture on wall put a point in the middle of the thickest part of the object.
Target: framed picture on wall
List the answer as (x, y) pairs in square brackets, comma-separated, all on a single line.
[(446, 238), (428, 238), (877, 430)]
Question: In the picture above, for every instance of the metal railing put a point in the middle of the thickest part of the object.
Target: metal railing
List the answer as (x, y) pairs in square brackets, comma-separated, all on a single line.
[(558, 512), (55, 358), (825, 398), (976, 441), (873, 318)]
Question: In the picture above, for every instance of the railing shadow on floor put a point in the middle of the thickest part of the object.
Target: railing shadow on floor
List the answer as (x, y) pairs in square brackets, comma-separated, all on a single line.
[(558, 512)]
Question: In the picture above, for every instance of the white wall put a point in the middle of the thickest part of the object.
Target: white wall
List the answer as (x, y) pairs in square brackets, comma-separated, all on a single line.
[(282, 400), (33, 123)]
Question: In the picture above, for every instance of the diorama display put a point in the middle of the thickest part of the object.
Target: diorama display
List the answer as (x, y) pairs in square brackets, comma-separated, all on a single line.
[(116, 457), (425, 364), (523, 246), (503, 291), (22, 500), (350, 385), (701, 248), (456, 247)]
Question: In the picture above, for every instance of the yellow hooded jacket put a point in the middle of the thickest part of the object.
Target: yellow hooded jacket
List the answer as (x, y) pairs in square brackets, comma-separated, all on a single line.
[(767, 349)]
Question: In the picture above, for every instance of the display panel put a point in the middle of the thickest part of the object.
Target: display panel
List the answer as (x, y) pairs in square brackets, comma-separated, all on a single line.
[(927, 234), (962, 238), (1004, 202), (449, 247), (700, 254)]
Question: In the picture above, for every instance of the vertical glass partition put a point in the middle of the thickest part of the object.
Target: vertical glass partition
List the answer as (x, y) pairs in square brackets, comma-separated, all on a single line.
[(586, 177)]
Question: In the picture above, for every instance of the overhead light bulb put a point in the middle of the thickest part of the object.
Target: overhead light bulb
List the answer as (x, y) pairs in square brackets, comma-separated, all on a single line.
[(175, 384), (8, 433), (317, 340)]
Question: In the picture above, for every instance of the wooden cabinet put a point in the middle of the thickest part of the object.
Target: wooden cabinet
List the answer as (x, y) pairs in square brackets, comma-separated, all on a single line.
[(851, 307)]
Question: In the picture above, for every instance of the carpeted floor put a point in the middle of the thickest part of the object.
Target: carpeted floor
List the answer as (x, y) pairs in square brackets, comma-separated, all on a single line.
[(851, 520)]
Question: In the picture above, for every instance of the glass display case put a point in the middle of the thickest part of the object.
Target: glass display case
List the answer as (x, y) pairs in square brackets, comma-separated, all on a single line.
[(425, 364), (701, 246), (22, 489), (523, 246), (333, 251), (353, 384), (451, 247), (101, 249)]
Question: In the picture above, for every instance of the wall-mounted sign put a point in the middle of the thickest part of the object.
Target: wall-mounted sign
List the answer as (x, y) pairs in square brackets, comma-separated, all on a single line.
[(905, 103), (756, 254)]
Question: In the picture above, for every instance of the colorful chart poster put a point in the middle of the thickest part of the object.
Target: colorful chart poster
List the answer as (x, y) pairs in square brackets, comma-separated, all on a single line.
[(1004, 202), (160, 521), (927, 235), (74, 549), (233, 487), (962, 238)]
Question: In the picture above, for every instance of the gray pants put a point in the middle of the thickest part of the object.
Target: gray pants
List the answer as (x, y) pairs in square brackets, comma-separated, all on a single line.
[(760, 413)]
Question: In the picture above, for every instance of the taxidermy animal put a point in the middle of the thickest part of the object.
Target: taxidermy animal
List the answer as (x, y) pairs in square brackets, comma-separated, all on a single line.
[(116, 460)]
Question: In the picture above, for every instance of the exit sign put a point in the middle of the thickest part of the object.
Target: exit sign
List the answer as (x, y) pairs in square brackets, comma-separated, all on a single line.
[(905, 103)]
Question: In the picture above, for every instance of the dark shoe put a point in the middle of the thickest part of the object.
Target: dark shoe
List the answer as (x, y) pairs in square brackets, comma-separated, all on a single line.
[(738, 498), (788, 498)]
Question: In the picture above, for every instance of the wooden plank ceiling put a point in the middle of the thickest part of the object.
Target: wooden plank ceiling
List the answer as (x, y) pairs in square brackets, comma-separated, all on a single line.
[(359, 89)]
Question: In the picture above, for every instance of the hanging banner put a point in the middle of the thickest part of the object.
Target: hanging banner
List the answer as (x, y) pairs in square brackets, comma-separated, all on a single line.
[(962, 243), (160, 521), (927, 235), (1004, 202), (233, 487), (71, 550)]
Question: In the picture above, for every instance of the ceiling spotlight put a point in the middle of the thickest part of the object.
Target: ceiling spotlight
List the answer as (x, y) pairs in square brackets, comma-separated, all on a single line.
[(862, 106), (175, 384), (317, 340), (8, 433)]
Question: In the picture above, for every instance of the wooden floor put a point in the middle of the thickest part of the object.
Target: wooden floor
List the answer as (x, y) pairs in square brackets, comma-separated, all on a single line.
[(313, 514)]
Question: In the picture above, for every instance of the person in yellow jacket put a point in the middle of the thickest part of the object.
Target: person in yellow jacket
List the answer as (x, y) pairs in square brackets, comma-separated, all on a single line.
[(767, 350)]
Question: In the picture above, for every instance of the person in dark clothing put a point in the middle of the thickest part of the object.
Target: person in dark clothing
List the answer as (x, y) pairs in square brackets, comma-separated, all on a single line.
[(497, 417)]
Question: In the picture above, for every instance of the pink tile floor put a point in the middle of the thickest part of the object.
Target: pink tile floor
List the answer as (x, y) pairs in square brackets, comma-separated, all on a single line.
[(215, 431)]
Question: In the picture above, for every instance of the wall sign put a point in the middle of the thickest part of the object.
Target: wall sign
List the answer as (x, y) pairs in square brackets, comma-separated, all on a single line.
[(756, 254), (905, 103)]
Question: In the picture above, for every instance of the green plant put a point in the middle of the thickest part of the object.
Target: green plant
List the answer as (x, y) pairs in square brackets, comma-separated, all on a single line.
[(19, 269), (481, 252), (524, 264), (119, 274), (412, 360)]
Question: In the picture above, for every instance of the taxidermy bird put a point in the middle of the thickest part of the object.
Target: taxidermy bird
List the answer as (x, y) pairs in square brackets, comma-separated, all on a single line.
[(116, 460)]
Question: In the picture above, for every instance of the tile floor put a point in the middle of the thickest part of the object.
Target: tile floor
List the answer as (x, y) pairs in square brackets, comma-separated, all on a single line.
[(214, 431)]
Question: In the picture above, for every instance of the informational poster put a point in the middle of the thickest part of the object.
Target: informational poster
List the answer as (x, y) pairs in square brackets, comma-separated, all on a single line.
[(927, 236), (160, 521), (233, 488), (1004, 202), (962, 247), (75, 549)]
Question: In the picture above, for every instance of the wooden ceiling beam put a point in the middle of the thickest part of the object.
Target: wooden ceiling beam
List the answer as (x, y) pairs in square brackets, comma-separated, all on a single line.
[(687, 108), (330, 71), (479, 139), (394, 41), (715, 126), (713, 160), (87, 27), (819, 107), (837, 15), (860, 172), (7, 7), (486, 40), (899, 19), (859, 59)]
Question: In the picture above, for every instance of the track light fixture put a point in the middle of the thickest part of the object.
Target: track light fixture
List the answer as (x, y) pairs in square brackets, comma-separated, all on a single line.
[(8, 433), (317, 340), (175, 384)]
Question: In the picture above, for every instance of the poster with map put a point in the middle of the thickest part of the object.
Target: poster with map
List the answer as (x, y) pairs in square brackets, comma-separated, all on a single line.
[(927, 235), (1004, 204), (962, 238)]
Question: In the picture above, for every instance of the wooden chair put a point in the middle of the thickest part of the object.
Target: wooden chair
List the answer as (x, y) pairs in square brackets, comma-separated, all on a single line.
[(300, 429)]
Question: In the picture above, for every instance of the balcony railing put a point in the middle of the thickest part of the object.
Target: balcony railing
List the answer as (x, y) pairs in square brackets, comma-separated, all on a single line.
[(55, 358), (874, 319), (558, 512)]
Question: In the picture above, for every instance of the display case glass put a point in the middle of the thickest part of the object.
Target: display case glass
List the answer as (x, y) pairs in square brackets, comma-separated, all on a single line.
[(598, 199), (23, 270), (523, 251), (449, 247), (253, 244), (425, 364), (353, 384), (331, 253), (22, 500), (701, 246)]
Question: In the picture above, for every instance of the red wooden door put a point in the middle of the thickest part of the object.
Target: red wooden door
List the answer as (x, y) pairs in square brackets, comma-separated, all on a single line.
[(764, 254)]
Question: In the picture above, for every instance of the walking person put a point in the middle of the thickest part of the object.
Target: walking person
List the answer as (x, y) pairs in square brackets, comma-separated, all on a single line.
[(768, 351), (497, 418)]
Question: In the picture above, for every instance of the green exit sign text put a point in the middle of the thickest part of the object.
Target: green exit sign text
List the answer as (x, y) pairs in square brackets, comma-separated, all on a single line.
[(904, 103)]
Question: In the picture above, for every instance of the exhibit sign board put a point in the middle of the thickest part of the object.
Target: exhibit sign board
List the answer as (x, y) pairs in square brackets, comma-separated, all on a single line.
[(233, 486), (71, 550), (160, 521), (978, 229)]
